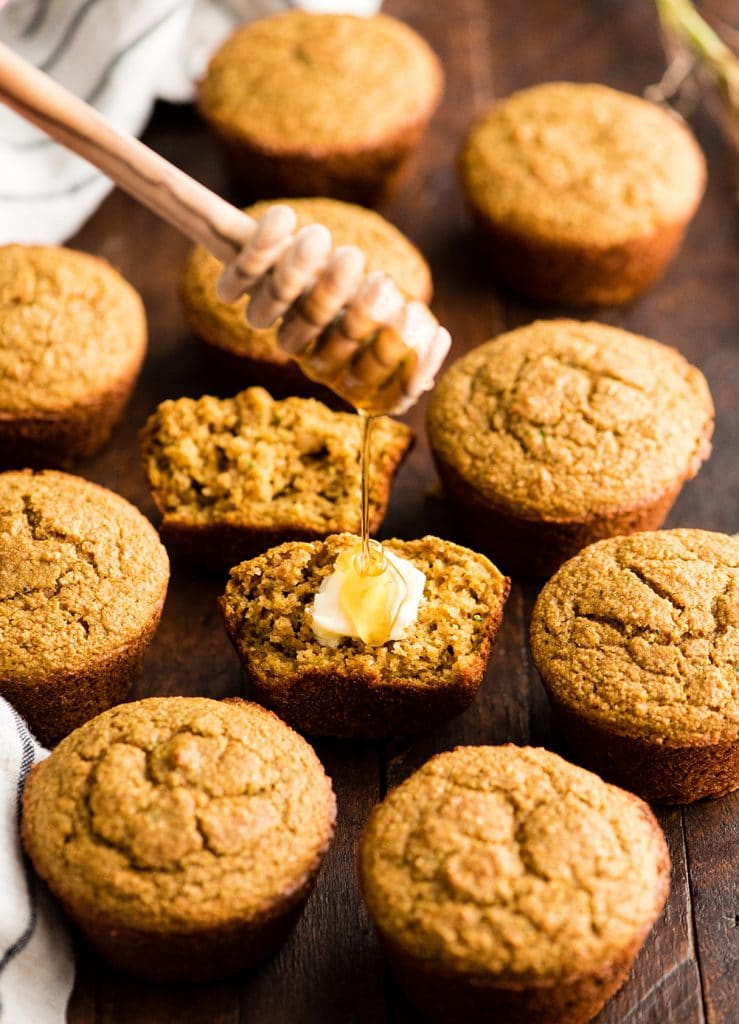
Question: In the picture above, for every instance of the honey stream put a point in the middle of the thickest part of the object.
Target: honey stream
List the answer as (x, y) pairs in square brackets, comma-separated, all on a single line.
[(370, 561)]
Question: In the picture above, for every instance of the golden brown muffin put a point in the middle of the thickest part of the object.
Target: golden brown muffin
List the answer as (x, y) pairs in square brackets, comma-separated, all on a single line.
[(320, 104), (83, 577), (353, 689), (581, 193), (235, 476), (637, 643), (560, 433), (182, 835), (72, 340), (249, 354), (509, 885)]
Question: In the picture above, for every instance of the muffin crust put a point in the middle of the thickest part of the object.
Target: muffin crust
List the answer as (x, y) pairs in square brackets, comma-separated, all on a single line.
[(582, 164), (637, 638), (320, 104), (581, 193), (562, 418), (83, 578), (510, 869), (573, 431), (72, 340), (322, 83), (176, 817)]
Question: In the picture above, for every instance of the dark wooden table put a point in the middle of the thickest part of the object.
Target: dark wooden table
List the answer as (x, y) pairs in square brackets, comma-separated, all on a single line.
[(331, 970)]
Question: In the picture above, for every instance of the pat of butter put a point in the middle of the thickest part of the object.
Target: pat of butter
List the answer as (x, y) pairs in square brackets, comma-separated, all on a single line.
[(398, 589)]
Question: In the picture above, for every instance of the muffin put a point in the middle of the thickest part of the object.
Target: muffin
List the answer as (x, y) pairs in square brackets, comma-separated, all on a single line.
[(506, 884), (72, 340), (249, 354), (233, 477), (561, 433), (581, 193), (637, 642), (402, 687), (83, 577), (181, 835), (320, 104)]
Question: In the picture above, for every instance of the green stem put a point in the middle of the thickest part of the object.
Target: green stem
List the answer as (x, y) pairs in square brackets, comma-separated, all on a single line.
[(682, 17)]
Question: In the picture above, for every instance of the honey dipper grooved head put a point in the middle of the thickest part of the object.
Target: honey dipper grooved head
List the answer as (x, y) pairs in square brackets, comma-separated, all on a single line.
[(359, 337)]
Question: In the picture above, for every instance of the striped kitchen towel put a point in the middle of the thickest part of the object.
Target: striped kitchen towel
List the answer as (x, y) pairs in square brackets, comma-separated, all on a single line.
[(119, 55), (36, 966)]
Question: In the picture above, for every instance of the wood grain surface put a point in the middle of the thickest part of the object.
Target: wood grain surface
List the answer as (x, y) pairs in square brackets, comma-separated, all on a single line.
[(331, 970)]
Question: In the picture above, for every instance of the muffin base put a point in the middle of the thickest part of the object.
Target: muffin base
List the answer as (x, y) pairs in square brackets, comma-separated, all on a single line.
[(577, 275), (57, 439), (199, 955), (330, 704), (366, 175), (667, 773), (221, 546), (53, 707), (448, 998), (236, 371), (536, 548)]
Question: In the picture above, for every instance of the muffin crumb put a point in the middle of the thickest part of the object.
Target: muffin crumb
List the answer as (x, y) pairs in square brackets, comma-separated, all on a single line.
[(403, 686)]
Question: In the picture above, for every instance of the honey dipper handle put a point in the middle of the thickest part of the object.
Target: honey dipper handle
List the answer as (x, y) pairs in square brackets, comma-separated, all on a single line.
[(169, 192), (360, 337)]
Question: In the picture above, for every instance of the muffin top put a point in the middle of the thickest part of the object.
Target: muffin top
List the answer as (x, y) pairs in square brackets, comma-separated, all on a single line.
[(641, 634), (582, 164), (266, 602), (321, 83), (175, 813), (82, 574), (252, 461), (224, 323), (511, 861), (70, 328), (562, 419)]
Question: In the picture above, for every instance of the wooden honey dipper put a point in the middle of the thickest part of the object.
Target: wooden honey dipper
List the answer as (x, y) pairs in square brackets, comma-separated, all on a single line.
[(353, 332)]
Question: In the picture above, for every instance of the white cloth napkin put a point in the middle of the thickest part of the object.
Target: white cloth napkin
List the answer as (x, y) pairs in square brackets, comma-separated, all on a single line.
[(36, 965), (119, 55)]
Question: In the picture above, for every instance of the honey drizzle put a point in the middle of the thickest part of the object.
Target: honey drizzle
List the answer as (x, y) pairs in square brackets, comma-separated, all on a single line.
[(371, 559)]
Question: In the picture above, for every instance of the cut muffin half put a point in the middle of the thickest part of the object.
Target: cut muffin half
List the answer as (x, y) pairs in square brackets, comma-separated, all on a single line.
[(235, 476), (402, 687)]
